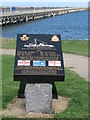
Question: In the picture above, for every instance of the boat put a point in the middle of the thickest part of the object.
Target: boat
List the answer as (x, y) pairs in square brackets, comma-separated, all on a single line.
[(38, 43)]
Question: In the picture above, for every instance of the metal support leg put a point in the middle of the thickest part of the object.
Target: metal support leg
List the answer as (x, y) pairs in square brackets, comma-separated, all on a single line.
[(22, 89), (54, 92)]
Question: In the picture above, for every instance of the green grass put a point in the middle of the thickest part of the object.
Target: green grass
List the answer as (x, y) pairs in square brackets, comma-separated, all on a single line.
[(8, 43), (79, 47), (73, 87), (10, 87)]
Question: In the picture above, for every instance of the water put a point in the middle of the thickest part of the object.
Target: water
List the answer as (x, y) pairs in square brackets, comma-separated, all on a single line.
[(70, 26)]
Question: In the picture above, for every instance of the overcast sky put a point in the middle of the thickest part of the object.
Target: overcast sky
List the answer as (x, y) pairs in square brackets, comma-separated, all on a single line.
[(48, 3)]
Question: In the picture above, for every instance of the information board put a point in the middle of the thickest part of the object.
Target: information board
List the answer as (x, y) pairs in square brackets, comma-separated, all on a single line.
[(39, 58)]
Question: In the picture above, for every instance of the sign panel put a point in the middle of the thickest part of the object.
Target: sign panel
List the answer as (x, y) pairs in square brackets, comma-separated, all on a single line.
[(13, 8), (23, 63), (39, 63), (54, 63), (39, 58)]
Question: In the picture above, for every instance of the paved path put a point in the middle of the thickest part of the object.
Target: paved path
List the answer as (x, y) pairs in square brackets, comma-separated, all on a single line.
[(77, 63), (7, 51)]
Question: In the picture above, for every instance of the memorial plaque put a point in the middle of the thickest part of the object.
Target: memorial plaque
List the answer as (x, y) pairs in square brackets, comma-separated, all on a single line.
[(39, 58)]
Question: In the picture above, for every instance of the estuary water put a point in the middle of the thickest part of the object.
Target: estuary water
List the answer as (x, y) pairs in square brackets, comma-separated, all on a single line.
[(70, 26)]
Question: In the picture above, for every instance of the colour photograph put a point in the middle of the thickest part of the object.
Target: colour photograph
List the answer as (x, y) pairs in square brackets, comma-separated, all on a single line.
[(44, 59)]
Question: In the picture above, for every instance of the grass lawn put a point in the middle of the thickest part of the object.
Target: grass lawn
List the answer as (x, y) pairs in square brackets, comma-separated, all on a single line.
[(74, 87), (79, 47), (8, 43), (9, 87)]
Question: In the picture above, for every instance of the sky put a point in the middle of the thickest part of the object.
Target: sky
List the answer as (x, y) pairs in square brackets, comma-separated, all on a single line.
[(44, 3)]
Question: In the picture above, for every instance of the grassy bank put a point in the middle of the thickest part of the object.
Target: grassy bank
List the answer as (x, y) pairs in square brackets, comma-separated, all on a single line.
[(73, 87), (79, 47), (8, 43)]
